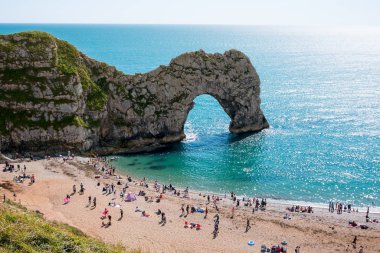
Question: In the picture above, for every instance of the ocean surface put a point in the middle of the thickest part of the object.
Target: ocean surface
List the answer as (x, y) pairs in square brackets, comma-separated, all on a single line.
[(320, 91)]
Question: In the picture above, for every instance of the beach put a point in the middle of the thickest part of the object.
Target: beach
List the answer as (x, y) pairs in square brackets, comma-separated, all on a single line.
[(320, 231)]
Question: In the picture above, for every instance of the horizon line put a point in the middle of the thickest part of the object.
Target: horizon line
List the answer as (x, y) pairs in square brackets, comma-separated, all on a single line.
[(188, 24)]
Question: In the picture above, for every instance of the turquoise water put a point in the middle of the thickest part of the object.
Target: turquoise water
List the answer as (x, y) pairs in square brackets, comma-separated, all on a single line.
[(320, 94)]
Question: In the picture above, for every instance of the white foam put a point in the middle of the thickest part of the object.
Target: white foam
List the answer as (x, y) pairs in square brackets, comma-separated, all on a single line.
[(190, 137)]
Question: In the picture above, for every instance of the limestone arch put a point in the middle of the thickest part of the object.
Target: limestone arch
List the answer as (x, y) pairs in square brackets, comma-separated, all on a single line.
[(230, 78), (167, 94)]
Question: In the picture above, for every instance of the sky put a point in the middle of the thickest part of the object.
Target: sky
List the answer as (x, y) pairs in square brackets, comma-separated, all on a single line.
[(227, 12)]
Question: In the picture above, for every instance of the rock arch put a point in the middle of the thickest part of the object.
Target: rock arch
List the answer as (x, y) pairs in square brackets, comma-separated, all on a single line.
[(230, 78), (54, 98)]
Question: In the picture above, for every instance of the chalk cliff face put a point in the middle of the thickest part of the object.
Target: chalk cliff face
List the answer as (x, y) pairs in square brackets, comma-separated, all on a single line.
[(54, 98)]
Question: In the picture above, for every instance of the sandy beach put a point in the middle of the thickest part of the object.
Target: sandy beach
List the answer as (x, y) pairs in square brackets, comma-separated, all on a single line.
[(320, 231)]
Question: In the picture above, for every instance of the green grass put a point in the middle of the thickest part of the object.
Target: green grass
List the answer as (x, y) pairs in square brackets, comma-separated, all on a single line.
[(25, 231)]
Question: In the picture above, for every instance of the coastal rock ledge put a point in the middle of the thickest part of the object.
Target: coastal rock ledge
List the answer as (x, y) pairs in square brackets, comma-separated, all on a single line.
[(54, 98)]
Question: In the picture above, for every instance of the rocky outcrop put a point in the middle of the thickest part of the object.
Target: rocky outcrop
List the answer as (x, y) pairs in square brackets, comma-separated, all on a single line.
[(54, 98)]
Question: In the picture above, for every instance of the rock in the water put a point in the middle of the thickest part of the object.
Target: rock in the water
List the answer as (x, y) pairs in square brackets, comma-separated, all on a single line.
[(54, 98)]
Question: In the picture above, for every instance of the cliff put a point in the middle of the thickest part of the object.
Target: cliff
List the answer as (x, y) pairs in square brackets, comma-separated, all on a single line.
[(55, 98)]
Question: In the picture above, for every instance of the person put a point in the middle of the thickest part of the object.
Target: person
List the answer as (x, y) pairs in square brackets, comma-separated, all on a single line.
[(74, 189), (186, 192), (248, 226), (361, 249), (89, 200), (216, 230), (94, 202), (354, 242), (121, 214), (187, 210), (163, 219), (206, 212), (216, 218), (104, 213), (182, 210), (144, 214), (108, 223), (298, 249), (232, 212)]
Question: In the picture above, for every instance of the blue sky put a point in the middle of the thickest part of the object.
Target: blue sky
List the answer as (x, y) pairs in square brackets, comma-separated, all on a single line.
[(243, 12)]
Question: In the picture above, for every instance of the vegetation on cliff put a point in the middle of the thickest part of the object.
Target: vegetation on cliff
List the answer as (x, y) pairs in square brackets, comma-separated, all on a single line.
[(69, 63), (25, 231), (37, 68)]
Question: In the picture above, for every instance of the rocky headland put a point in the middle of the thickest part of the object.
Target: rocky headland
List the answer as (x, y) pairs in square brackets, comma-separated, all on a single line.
[(55, 98)]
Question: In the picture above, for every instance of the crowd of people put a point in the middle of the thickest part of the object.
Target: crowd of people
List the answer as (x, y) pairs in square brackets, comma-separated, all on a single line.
[(22, 176), (212, 201), (300, 209), (340, 207)]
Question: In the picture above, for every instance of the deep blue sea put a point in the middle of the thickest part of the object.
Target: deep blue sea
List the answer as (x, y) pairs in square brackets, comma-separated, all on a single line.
[(320, 91)]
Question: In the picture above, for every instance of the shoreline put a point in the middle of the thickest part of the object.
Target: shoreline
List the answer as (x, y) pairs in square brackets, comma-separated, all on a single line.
[(278, 201), (317, 232)]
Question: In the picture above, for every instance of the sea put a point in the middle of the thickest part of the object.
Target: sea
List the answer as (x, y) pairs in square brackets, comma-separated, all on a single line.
[(320, 91)]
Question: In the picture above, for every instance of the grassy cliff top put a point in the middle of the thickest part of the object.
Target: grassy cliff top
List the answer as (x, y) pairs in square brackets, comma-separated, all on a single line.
[(20, 53), (25, 231)]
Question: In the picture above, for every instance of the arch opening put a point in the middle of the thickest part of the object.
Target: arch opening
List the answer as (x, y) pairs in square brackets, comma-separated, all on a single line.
[(207, 117)]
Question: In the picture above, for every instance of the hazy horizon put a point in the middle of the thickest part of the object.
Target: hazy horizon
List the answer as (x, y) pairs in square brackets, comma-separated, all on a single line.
[(196, 12)]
